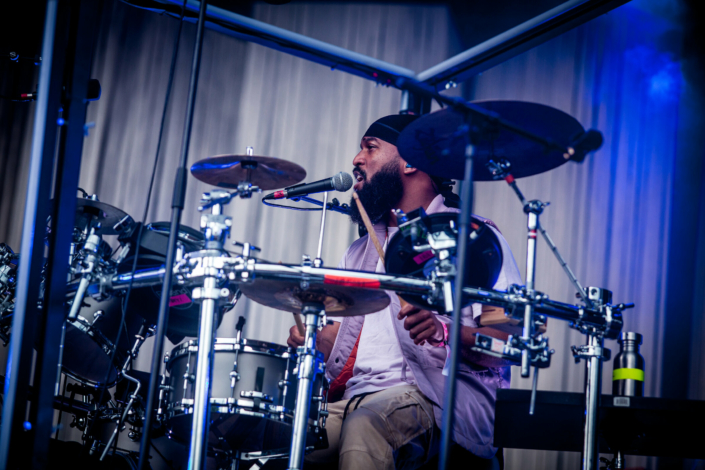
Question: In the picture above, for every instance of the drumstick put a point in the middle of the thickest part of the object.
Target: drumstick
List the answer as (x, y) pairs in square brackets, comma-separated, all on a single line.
[(368, 225), (372, 234), (299, 324)]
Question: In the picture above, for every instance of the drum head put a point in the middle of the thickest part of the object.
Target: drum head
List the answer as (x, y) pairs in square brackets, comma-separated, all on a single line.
[(88, 343), (482, 265)]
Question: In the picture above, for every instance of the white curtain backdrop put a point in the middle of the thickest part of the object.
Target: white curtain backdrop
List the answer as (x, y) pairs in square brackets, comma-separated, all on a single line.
[(248, 96), (607, 215)]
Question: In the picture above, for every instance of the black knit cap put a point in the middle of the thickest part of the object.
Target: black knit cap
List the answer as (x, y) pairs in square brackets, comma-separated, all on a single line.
[(389, 127)]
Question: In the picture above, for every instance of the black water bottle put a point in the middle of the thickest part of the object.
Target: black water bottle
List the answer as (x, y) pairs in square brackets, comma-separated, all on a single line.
[(628, 371)]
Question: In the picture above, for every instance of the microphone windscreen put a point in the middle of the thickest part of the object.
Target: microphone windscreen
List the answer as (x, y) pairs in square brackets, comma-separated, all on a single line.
[(342, 181)]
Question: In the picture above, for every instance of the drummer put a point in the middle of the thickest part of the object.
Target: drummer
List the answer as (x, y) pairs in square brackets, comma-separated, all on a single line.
[(387, 368)]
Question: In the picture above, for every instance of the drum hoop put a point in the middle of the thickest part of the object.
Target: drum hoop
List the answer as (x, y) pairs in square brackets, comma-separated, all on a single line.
[(229, 344), (81, 324), (184, 408)]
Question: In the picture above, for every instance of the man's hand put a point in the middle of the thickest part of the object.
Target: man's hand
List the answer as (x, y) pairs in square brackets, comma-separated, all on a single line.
[(325, 339), (295, 339), (422, 325)]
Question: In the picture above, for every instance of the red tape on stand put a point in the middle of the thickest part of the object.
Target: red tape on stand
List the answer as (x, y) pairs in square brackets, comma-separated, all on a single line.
[(351, 281)]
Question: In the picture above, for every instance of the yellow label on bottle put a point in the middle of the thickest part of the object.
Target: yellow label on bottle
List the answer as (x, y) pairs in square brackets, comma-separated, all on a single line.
[(623, 374)]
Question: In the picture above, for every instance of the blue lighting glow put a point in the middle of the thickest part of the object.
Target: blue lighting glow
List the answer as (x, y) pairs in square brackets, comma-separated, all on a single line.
[(659, 69)]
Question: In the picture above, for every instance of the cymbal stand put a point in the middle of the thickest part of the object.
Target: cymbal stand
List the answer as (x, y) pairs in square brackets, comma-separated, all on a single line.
[(593, 351), (309, 366), (144, 333), (89, 264), (207, 266), (530, 345)]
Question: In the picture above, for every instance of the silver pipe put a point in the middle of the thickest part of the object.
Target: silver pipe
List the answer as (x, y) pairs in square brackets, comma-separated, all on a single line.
[(303, 393), (534, 385), (593, 388), (564, 265), (527, 330), (280, 39), (318, 261), (516, 40), (201, 403), (141, 278), (60, 362), (15, 387), (78, 298), (133, 396)]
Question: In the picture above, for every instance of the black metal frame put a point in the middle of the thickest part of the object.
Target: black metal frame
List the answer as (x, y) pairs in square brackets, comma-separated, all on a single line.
[(67, 52)]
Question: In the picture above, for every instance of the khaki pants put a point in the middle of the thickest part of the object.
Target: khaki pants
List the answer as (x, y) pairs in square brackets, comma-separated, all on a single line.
[(392, 425)]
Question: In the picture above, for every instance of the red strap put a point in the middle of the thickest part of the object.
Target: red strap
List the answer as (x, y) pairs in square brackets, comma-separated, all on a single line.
[(337, 386)]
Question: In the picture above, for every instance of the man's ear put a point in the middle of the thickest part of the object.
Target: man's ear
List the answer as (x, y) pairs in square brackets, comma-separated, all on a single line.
[(408, 169)]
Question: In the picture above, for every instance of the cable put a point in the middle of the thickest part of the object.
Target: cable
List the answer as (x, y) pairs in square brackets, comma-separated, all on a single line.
[(126, 300)]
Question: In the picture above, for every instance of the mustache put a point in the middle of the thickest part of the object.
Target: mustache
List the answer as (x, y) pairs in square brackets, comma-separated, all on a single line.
[(359, 171)]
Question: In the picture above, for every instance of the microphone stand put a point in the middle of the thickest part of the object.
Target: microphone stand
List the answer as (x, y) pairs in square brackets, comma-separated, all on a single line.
[(177, 206)]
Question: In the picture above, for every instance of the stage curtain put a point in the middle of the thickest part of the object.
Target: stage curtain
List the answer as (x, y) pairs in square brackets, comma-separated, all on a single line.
[(248, 95), (611, 215)]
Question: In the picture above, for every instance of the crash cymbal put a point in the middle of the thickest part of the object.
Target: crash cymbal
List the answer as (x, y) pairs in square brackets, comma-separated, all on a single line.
[(227, 171), (434, 145), (89, 212), (339, 301)]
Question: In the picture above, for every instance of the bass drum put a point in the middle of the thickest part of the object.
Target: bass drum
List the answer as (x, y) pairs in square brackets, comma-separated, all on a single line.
[(253, 396), (183, 311)]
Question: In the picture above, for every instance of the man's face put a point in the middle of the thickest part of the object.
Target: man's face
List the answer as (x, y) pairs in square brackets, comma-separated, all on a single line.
[(374, 155), (379, 184)]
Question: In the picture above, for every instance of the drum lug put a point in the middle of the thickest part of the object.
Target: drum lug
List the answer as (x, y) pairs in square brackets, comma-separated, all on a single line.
[(97, 316), (234, 378), (257, 396)]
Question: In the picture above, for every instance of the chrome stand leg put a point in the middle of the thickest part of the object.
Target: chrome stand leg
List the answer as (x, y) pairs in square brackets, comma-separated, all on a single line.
[(593, 388), (209, 296), (310, 364)]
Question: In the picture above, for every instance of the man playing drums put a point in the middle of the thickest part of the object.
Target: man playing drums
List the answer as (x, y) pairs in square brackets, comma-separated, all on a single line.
[(389, 365)]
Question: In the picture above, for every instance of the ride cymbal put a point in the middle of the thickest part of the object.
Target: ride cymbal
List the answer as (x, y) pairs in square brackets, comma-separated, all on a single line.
[(435, 143)]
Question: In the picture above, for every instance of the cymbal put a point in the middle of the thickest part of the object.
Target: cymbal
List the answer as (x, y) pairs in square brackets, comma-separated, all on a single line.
[(89, 211), (433, 144), (339, 301), (227, 171)]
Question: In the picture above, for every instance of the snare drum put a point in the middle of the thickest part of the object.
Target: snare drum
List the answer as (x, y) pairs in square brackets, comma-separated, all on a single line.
[(253, 395)]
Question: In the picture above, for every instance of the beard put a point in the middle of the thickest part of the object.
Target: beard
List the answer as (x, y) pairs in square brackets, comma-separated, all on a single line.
[(379, 195)]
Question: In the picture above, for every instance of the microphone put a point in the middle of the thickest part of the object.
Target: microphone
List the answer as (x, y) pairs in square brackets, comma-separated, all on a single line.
[(340, 182), (585, 143)]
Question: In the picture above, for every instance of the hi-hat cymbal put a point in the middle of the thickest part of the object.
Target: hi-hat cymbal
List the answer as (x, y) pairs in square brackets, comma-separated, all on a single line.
[(433, 144), (227, 171), (337, 300)]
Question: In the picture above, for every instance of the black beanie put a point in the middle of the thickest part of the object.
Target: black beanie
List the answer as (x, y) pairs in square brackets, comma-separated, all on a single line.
[(389, 127)]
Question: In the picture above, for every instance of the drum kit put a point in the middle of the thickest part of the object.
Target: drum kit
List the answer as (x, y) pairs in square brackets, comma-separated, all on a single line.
[(251, 400)]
